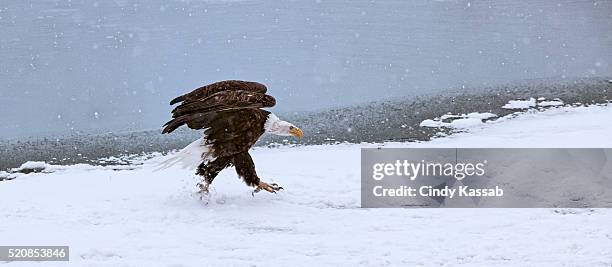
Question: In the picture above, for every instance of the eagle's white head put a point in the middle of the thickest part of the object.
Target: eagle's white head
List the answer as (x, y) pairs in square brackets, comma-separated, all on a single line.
[(276, 126)]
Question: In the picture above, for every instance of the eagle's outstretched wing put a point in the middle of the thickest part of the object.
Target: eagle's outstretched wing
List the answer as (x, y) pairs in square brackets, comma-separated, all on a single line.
[(216, 105)]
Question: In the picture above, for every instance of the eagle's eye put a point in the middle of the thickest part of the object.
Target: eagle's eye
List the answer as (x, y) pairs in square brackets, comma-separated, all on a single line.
[(291, 127)]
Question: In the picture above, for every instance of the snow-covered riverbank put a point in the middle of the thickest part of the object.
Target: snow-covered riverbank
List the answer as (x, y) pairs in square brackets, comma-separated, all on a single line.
[(137, 217)]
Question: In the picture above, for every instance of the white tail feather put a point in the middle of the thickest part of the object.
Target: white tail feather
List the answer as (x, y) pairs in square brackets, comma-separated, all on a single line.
[(189, 157)]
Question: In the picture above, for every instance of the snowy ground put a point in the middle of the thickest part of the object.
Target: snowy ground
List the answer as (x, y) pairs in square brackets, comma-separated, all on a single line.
[(144, 218)]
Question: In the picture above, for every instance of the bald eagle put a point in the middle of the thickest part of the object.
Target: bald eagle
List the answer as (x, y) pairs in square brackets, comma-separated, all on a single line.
[(231, 115)]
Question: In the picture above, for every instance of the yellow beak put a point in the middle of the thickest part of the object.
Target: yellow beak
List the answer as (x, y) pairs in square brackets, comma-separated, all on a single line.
[(297, 132)]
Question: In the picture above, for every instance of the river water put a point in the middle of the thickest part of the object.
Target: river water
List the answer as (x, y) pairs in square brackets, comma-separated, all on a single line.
[(94, 66)]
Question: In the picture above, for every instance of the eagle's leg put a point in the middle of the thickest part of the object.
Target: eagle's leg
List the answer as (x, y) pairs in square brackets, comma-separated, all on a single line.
[(210, 170), (246, 169)]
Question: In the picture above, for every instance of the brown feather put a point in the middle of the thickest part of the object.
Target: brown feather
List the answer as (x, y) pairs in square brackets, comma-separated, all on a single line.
[(229, 85)]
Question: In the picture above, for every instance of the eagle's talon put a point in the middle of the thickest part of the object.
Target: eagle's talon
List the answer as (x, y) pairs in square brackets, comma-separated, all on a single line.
[(277, 187), (203, 188), (203, 194), (272, 188)]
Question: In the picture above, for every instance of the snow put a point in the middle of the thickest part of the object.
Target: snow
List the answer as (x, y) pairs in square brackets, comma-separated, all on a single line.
[(560, 127), (139, 217), (462, 121), (520, 104), (481, 116), (32, 165), (430, 123), (5, 175), (552, 103)]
